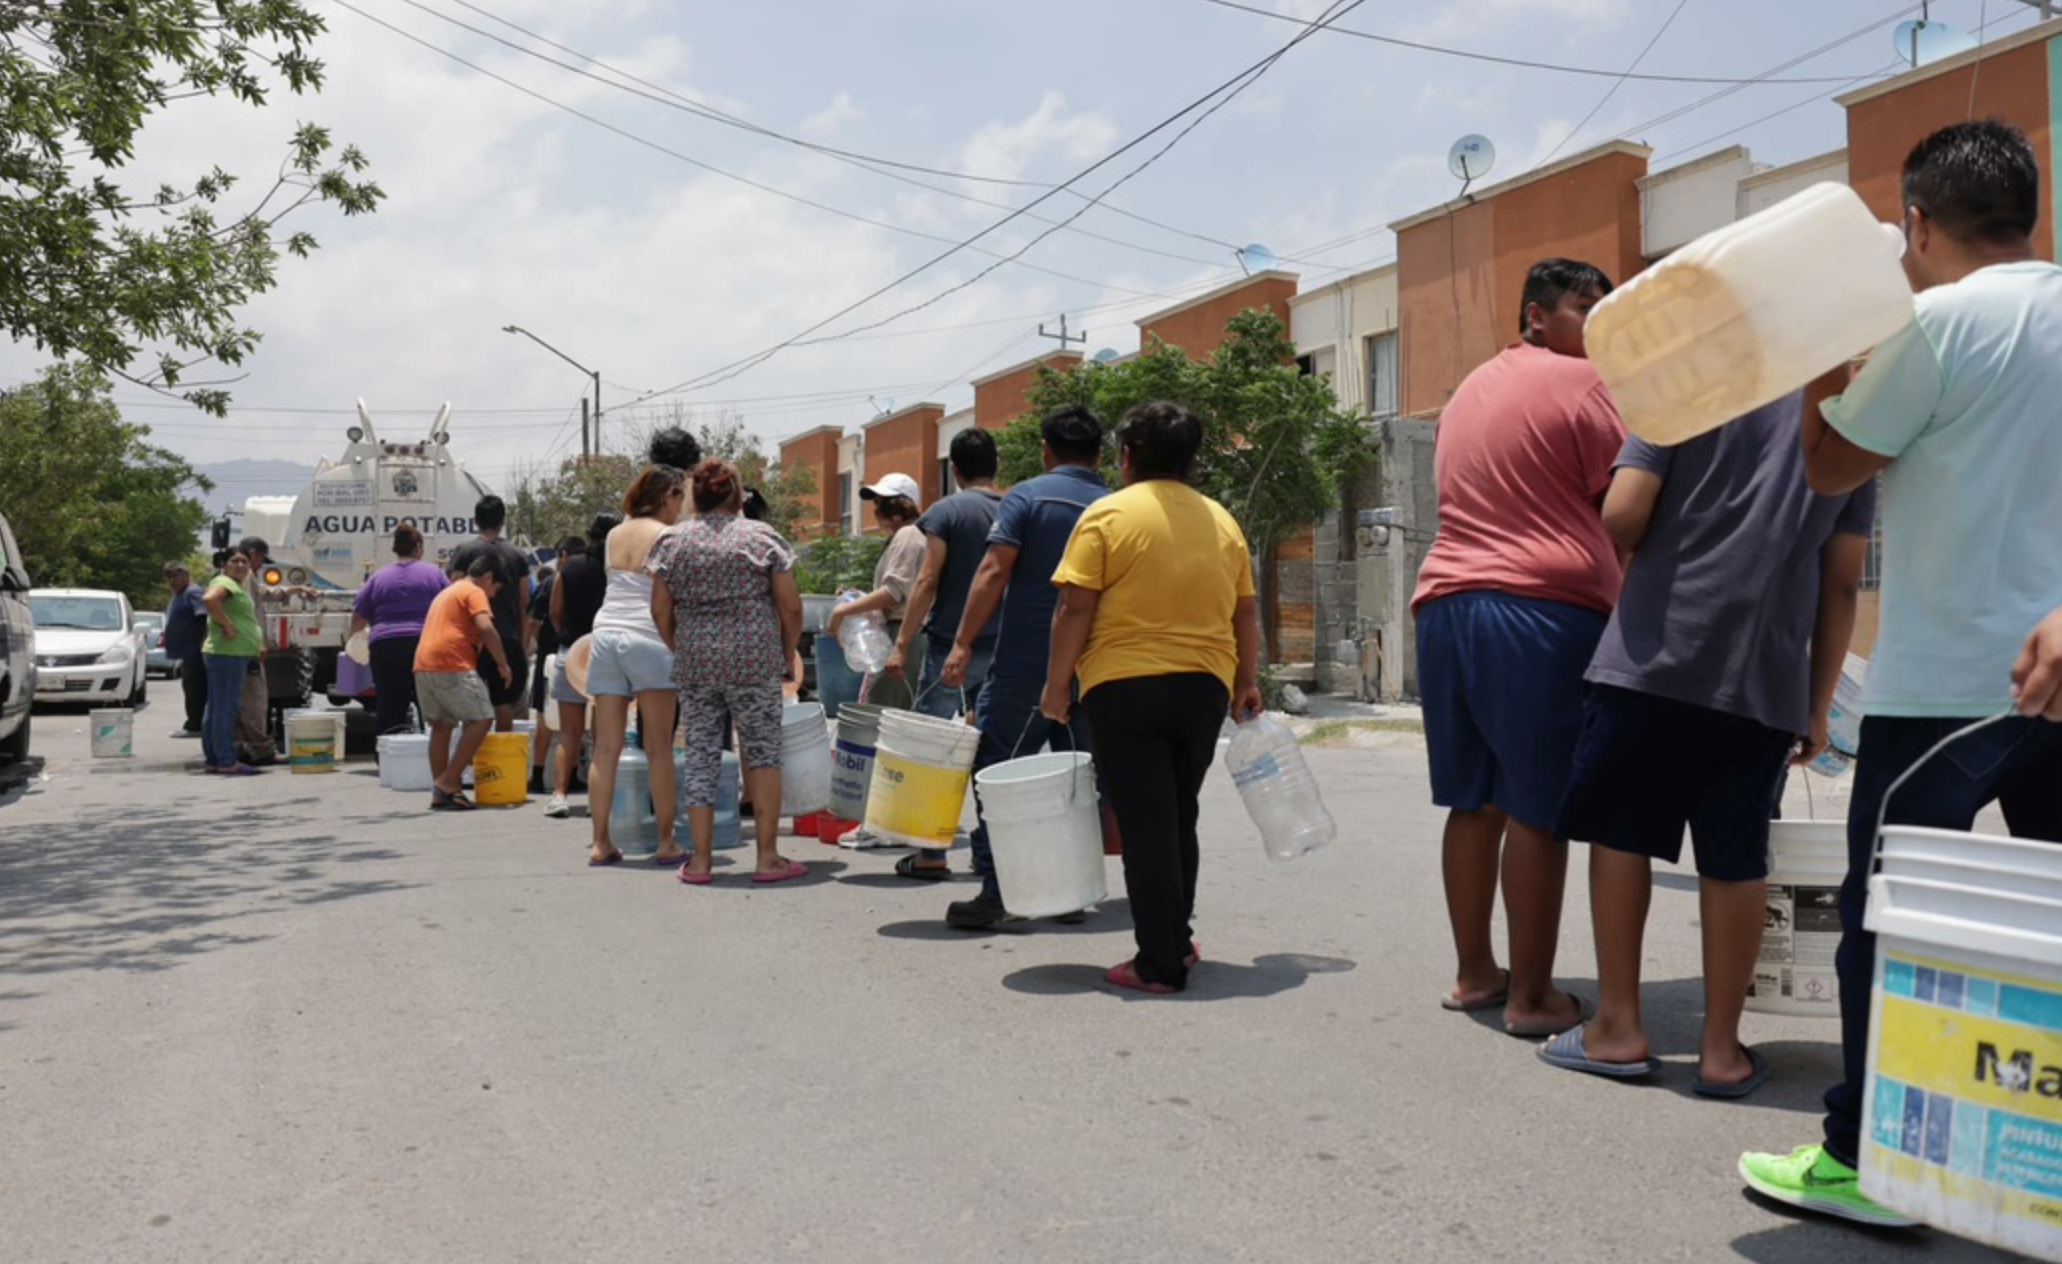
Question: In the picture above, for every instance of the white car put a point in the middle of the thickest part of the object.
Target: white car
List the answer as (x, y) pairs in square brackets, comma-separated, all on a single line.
[(88, 647)]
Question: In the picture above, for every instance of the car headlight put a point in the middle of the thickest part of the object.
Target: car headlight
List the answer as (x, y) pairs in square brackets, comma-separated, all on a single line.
[(115, 654)]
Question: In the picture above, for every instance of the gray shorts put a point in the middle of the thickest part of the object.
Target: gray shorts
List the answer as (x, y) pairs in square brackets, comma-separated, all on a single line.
[(452, 697)]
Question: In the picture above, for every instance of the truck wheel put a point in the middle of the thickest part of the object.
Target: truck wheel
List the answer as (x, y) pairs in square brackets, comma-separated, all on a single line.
[(17, 747)]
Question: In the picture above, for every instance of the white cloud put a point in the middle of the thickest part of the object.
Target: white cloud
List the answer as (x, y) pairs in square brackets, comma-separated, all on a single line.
[(832, 117), (1006, 150), (1566, 18)]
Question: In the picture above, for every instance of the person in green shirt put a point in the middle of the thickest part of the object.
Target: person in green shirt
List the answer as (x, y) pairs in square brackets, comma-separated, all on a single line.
[(230, 648)]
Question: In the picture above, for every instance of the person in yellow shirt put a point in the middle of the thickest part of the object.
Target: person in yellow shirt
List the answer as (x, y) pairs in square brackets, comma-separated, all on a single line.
[(1157, 617)]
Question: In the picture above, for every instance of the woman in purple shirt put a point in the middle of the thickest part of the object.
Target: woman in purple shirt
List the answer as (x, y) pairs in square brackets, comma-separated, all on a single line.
[(393, 604)]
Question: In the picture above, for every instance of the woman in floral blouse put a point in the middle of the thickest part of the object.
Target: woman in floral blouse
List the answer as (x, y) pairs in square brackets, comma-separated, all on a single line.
[(724, 597)]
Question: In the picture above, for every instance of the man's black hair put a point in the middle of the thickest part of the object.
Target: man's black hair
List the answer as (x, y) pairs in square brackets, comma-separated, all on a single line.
[(490, 514), (1073, 434), (480, 566), (675, 447), (572, 544), (754, 505), (1979, 182), (1163, 439), (254, 544), (1550, 279), (973, 455), (598, 530)]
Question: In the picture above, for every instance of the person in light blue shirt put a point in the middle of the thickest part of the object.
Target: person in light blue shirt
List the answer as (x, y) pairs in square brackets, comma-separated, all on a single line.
[(1961, 414)]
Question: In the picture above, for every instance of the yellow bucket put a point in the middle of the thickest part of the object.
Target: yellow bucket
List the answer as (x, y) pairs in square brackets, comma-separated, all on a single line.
[(501, 771), (921, 769), (312, 744)]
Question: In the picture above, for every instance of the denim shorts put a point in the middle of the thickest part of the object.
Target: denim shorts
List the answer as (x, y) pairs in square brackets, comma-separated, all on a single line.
[(1501, 681), (561, 687), (625, 664), (1649, 768)]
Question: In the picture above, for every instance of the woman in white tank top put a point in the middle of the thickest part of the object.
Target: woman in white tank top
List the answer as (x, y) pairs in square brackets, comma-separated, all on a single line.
[(629, 661)]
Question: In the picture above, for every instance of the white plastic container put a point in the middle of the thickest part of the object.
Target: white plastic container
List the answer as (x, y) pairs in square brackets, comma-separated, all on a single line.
[(314, 741), (852, 755), (633, 826), (866, 643), (113, 732), (1795, 974), (805, 759), (1962, 1109), (1748, 313), (921, 770), (1046, 833), (1266, 764), (404, 761)]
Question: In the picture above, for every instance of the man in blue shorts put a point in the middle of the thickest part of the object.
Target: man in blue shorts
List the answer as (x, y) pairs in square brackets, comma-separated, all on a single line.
[(1720, 658), (1032, 526), (1959, 414)]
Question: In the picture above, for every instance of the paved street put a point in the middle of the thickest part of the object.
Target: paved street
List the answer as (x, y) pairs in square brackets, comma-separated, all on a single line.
[(299, 1018)]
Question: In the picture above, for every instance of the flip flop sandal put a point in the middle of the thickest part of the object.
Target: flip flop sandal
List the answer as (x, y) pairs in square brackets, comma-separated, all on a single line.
[(1489, 1000), (1567, 1052), (1125, 975), (456, 802), (795, 869), (613, 858), (671, 862), (696, 879), (907, 867), (1554, 1027), (1734, 1092)]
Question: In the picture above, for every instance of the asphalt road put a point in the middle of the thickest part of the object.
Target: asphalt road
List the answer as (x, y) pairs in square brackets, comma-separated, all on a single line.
[(299, 1018)]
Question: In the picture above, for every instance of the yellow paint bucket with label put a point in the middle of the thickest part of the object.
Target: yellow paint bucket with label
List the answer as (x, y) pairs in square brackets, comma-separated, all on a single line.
[(313, 742), (1962, 1110), (501, 771), (921, 770)]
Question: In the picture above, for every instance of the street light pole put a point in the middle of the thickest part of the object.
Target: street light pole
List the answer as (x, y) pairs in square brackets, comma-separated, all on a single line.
[(595, 374)]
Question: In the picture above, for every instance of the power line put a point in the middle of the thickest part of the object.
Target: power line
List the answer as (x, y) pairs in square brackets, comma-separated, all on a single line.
[(1523, 63), (1616, 84), (634, 138), (1236, 84)]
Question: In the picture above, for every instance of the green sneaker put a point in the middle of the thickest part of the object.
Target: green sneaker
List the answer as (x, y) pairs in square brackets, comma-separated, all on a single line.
[(1810, 1178)]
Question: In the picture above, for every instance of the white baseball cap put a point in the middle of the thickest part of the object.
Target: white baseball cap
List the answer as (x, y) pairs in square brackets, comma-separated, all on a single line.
[(892, 485)]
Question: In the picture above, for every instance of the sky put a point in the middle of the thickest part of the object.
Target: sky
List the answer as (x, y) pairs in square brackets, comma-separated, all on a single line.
[(658, 246)]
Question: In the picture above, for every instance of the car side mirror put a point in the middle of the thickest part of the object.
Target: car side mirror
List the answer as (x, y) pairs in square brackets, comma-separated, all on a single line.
[(14, 579)]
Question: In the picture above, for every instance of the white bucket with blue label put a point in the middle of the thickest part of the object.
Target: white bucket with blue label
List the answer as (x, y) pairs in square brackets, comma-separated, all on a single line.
[(1962, 1111), (114, 732)]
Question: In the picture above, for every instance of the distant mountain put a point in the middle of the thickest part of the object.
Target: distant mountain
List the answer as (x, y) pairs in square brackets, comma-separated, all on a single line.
[(237, 481)]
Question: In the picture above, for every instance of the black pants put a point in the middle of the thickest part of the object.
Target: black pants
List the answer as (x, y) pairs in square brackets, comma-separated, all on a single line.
[(1154, 739), (393, 680), (193, 682)]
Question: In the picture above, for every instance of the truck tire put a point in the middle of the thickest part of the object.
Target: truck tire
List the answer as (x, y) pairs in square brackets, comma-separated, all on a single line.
[(16, 748)]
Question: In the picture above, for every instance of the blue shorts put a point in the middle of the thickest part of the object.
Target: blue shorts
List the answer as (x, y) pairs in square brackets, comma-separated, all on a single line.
[(562, 690), (623, 664), (1501, 681), (1649, 768)]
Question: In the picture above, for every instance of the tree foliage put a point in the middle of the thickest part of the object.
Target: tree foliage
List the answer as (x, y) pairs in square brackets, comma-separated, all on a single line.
[(831, 564), (93, 504), (1278, 451), (147, 284)]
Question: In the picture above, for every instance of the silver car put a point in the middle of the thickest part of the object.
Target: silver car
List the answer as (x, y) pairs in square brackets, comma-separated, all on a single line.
[(87, 647)]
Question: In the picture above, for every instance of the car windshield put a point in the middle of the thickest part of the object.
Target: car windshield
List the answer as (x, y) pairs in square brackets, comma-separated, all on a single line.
[(94, 614)]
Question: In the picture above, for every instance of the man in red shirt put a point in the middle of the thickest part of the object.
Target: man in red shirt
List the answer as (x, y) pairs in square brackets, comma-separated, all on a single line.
[(1510, 605)]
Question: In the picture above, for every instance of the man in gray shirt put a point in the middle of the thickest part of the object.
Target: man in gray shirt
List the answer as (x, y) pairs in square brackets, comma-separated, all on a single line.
[(1717, 665)]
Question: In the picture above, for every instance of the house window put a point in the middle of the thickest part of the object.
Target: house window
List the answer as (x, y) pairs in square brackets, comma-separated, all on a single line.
[(845, 503), (944, 476), (1382, 376)]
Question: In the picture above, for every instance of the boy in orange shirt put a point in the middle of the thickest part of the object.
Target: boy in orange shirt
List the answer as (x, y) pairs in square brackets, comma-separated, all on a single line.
[(447, 679)]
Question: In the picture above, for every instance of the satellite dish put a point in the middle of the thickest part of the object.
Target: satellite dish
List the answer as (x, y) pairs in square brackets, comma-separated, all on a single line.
[(1257, 258), (1108, 355), (882, 406), (1471, 158), (1924, 42)]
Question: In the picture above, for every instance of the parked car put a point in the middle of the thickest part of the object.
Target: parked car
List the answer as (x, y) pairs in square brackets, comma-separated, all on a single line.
[(17, 650), (157, 662), (88, 647)]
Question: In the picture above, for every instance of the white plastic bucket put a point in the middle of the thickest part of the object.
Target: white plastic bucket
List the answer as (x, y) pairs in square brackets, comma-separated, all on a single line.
[(1962, 1110), (859, 732), (920, 773), (336, 720), (805, 760), (1045, 831), (113, 732), (1795, 974), (1748, 313), (313, 742), (404, 761)]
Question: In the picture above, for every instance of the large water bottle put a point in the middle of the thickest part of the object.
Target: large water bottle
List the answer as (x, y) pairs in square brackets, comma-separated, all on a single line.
[(1266, 764), (864, 639)]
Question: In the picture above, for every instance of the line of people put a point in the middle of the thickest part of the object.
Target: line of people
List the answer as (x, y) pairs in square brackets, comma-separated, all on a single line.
[(1620, 644)]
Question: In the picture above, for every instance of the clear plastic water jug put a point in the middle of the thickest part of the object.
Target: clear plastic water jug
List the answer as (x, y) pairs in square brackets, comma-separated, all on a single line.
[(865, 641), (1748, 313), (1267, 766)]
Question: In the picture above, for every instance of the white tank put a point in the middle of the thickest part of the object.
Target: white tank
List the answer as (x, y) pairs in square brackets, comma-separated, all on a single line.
[(1746, 314), (341, 527)]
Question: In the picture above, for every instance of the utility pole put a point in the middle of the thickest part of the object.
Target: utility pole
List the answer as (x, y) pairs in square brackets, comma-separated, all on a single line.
[(584, 449), (1063, 337)]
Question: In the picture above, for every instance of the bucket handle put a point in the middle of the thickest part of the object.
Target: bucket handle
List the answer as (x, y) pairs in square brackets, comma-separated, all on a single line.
[(1883, 810), (1073, 778), (926, 692)]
